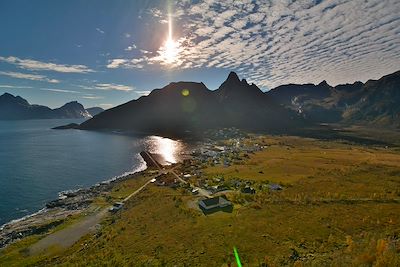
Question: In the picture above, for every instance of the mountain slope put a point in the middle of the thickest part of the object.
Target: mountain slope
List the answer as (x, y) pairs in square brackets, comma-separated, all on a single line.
[(375, 102), (379, 102)]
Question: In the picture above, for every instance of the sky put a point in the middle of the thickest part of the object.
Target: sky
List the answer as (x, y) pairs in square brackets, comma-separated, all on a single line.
[(104, 53)]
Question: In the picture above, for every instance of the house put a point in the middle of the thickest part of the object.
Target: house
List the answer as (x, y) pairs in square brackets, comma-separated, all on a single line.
[(195, 191), (275, 187), (211, 205), (116, 207), (248, 190)]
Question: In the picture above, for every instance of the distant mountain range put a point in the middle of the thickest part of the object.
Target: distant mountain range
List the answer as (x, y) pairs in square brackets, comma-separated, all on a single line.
[(191, 107), (376, 102), (17, 108)]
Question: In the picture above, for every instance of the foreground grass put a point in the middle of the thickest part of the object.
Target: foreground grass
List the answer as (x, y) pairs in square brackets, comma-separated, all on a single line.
[(339, 207)]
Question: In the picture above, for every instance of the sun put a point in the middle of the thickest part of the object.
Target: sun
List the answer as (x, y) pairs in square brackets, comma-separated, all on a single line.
[(170, 50)]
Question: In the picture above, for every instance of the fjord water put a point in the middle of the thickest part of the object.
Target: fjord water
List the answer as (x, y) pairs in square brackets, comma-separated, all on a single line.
[(37, 162)]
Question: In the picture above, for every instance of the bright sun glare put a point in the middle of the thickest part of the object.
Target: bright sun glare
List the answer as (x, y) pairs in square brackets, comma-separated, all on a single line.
[(171, 50), (171, 47)]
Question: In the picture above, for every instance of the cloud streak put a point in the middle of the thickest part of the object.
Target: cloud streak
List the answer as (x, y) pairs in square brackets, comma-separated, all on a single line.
[(109, 87), (32, 77), (60, 90), (36, 65)]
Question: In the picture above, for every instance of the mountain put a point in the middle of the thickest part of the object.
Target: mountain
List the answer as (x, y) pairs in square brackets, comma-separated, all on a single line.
[(94, 111), (184, 107), (376, 102), (17, 108)]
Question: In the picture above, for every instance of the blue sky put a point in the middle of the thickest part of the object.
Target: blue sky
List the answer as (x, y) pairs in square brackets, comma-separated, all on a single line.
[(104, 53)]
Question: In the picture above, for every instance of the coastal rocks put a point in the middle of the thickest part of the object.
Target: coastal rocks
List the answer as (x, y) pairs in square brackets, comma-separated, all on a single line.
[(11, 236)]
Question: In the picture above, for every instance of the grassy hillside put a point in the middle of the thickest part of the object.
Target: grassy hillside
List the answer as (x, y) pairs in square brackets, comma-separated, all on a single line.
[(339, 207)]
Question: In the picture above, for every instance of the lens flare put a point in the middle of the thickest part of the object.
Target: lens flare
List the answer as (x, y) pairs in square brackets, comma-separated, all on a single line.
[(185, 92)]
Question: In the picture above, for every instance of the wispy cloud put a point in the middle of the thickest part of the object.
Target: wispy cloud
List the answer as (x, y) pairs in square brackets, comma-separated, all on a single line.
[(113, 86), (92, 97), (36, 65), (60, 90), (108, 86), (14, 86), (33, 77), (135, 63), (131, 47), (106, 106), (276, 42), (100, 30), (143, 93)]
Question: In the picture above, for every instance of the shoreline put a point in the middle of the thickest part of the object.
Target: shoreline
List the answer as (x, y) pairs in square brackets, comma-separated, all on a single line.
[(69, 203)]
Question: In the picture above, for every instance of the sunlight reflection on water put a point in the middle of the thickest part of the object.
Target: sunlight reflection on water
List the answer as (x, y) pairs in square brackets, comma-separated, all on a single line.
[(168, 150)]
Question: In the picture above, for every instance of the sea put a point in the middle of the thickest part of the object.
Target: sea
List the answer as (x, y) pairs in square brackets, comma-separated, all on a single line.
[(36, 162)]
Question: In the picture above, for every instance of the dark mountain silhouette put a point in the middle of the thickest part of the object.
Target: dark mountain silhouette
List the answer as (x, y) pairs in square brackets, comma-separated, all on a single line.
[(17, 108), (184, 107), (375, 102)]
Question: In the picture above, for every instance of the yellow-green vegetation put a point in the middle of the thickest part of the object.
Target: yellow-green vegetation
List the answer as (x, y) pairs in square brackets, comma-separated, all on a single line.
[(340, 206)]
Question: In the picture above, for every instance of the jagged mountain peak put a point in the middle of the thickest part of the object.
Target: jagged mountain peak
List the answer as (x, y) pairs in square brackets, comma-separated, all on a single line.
[(324, 83), (239, 90), (232, 77)]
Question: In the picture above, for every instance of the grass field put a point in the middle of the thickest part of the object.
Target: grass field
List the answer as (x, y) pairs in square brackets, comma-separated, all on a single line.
[(340, 206)]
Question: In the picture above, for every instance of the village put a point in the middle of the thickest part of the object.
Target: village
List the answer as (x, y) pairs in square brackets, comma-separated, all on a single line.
[(224, 148)]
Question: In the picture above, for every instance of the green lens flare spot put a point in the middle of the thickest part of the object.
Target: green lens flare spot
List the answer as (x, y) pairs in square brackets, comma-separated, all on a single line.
[(185, 92)]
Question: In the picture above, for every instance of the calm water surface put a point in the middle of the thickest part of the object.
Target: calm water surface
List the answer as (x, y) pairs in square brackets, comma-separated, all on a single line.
[(36, 162)]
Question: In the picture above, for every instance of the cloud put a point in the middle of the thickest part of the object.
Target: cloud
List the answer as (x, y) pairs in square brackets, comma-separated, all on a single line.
[(127, 35), (30, 64), (277, 42), (100, 30), (60, 90), (33, 77), (143, 93), (135, 63), (106, 106), (14, 86), (92, 97), (113, 86), (131, 47)]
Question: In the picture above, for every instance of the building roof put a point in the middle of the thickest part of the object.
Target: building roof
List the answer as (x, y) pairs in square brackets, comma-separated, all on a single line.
[(215, 202)]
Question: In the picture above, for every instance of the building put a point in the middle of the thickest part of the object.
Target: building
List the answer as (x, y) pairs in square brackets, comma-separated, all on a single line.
[(248, 190), (275, 187), (211, 205)]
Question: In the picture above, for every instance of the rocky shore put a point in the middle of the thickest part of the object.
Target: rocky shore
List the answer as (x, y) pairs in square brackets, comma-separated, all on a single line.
[(57, 211)]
